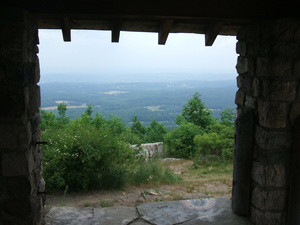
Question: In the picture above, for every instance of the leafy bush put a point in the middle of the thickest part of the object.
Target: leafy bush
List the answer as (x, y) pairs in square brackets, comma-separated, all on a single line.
[(219, 141), (180, 141), (84, 157)]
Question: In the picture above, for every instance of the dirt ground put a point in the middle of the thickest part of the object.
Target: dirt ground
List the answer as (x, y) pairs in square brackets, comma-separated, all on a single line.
[(192, 186)]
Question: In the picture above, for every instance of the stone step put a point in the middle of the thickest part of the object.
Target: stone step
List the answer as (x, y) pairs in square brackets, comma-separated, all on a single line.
[(207, 211)]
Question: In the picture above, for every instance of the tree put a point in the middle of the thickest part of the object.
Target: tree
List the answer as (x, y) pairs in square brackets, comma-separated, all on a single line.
[(227, 117), (62, 109), (155, 132), (48, 120), (179, 142), (195, 112), (137, 127)]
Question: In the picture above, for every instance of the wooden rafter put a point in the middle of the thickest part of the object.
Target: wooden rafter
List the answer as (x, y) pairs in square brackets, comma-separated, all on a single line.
[(164, 31), (66, 29), (212, 32), (115, 31)]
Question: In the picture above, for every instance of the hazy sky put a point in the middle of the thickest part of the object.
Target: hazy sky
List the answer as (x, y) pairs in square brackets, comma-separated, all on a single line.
[(93, 52)]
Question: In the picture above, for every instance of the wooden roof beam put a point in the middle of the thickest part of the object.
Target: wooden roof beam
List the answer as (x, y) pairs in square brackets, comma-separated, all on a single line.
[(164, 31), (212, 32), (66, 29), (115, 31)]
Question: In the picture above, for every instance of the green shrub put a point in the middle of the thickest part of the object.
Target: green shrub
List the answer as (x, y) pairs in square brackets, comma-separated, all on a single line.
[(219, 141), (84, 157), (180, 141)]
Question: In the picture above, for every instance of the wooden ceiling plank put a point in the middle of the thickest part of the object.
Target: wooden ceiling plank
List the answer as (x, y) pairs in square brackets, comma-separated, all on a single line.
[(164, 31), (115, 31), (212, 32), (66, 29)]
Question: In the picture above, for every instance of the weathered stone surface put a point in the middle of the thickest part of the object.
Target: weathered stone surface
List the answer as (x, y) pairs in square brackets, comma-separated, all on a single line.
[(295, 112), (271, 156), (14, 136), (242, 65), (17, 163), (272, 114), (256, 89), (250, 102), (273, 140), (270, 175), (188, 212), (279, 90), (268, 199), (241, 184), (18, 211), (239, 97), (19, 187), (15, 101), (150, 150), (265, 218), (91, 216)]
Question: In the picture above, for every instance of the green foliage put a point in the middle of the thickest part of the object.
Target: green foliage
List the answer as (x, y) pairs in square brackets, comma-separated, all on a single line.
[(137, 128), (94, 153), (227, 117), (154, 173), (179, 142), (84, 157), (62, 109), (218, 141), (155, 133), (195, 112)]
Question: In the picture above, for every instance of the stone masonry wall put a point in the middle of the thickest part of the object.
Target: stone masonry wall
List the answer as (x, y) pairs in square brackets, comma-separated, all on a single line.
[(20, 153), (269, 73)]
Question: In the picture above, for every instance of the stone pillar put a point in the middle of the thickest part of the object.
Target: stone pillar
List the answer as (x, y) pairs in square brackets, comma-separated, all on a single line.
[(20, 154), (269, 72)]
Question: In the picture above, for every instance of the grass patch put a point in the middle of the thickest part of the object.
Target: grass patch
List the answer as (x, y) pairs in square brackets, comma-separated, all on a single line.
[(105, 203), (153, 172)]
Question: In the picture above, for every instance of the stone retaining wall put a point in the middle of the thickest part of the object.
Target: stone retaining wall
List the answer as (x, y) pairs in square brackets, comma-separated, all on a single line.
[(150, 150)]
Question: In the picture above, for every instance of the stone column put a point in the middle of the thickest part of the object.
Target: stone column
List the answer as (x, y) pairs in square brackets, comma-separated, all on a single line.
[(20, 154), (269, 71)]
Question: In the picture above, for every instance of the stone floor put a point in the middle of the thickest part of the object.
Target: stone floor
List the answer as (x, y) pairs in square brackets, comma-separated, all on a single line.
[(187, 212)]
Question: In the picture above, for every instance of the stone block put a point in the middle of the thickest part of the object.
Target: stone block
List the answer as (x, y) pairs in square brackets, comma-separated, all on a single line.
[(239, 97), (17, 164), (268, 199), (34, 101), (286, 49), (273, 139), (19, 187), (242, 65), (272, 114), (14, 101), (14, 137), (241, 48), (296, 71), (263, 67), (256, 90), (282, 66), (295, 112), (279, 90), (250, 102), (247, 84), (281, 155), (265, 218), (269, 175), (19, 212)]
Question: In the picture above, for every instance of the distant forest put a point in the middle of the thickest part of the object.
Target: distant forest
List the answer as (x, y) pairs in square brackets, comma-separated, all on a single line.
[(161, 101)]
